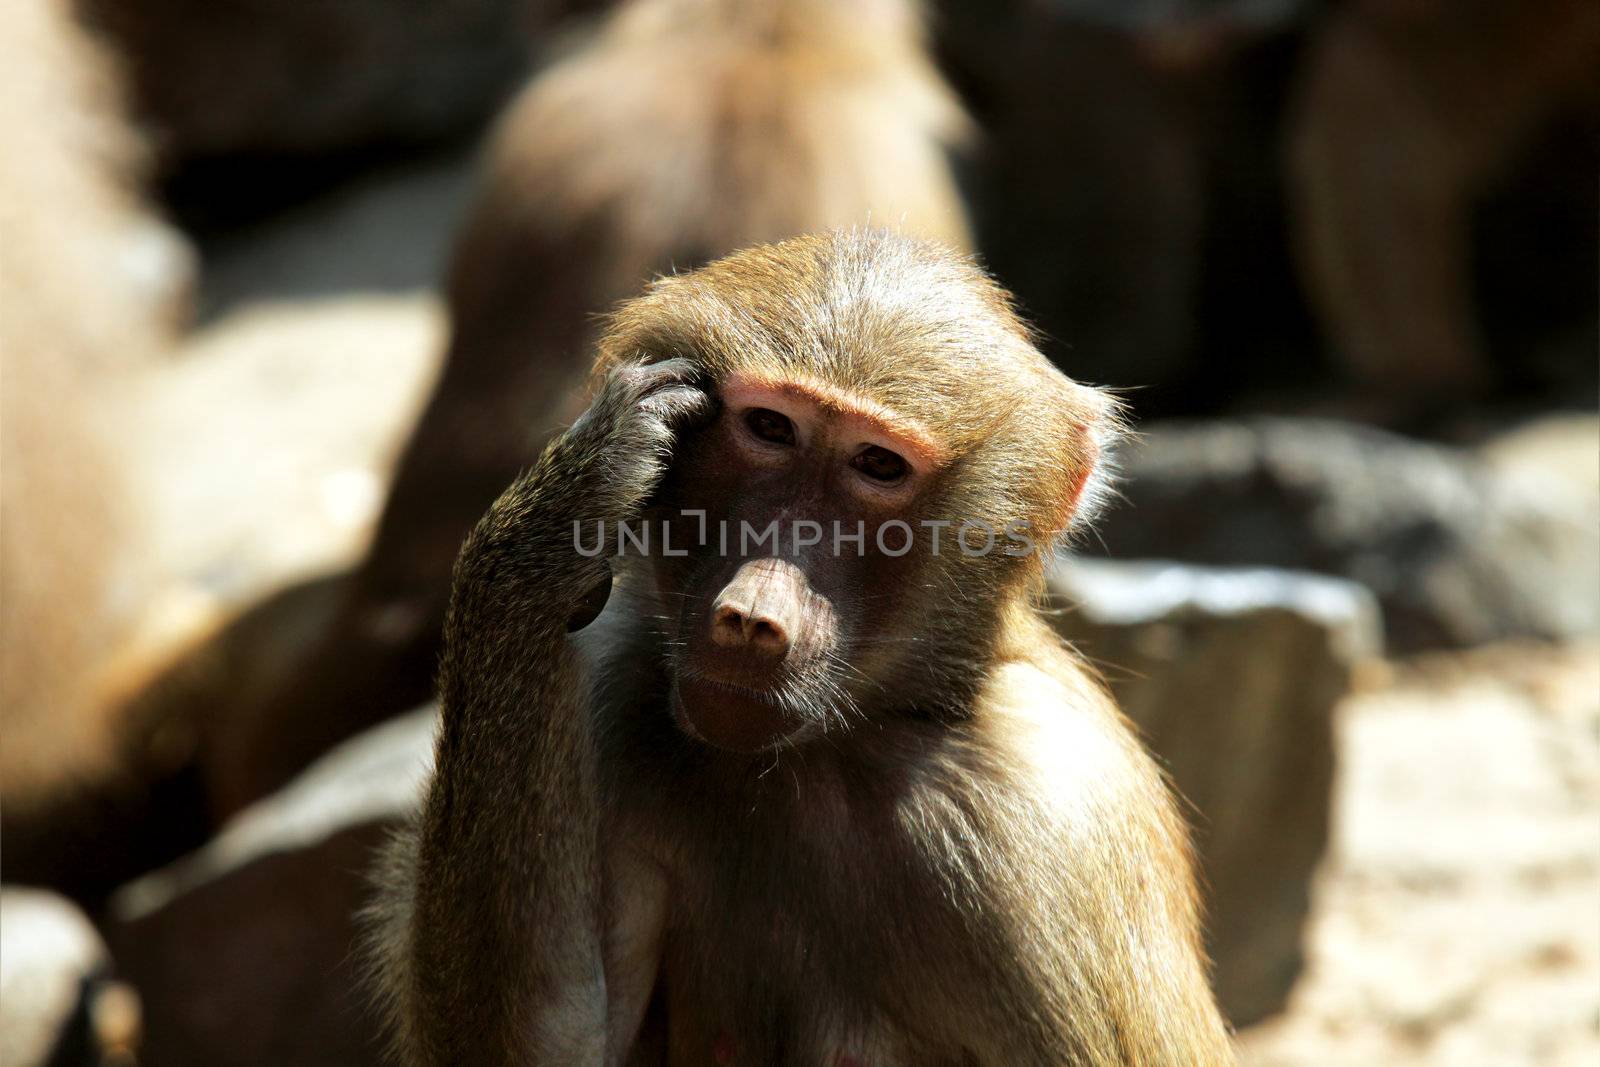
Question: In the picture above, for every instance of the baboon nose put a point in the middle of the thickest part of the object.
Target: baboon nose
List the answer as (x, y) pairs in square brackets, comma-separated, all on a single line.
[(739, 627)]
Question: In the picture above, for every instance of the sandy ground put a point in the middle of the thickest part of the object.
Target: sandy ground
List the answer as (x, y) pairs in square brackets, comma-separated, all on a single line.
[(1458, 916), (1457, 920)]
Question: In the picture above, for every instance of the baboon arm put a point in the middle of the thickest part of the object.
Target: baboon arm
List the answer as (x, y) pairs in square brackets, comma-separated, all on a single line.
[(508, 936), (507, 939)]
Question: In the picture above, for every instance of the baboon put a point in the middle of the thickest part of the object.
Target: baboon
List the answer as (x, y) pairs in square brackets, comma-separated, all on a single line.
[(683, 130), (836, 800), (93, 284), (1407, 115)]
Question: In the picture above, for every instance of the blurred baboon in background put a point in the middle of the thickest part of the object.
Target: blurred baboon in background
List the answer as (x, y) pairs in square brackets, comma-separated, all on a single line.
[(1226, 203), (1120, 140), (1407, 113), (91, 285), (682, 129)]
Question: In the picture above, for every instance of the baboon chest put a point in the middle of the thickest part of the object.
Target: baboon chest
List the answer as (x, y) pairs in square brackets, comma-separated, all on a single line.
[(774, 989), (782, 952)]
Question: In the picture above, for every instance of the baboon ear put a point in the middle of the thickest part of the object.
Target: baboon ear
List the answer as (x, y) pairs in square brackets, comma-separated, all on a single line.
[(1087, 424)]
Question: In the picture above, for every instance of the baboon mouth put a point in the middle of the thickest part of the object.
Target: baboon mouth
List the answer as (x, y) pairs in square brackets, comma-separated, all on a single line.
[(728, 716), (763, 696)]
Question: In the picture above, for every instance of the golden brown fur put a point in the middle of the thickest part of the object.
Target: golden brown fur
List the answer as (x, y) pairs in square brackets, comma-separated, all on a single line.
[(749, 120), (81, 310), (960, 855)]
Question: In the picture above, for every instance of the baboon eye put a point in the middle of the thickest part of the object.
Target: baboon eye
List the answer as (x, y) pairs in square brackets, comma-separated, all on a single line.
[(879, 464), (769, 425)]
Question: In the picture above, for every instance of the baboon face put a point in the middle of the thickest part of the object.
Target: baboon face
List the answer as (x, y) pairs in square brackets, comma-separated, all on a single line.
[(891, 458), (798, 506)]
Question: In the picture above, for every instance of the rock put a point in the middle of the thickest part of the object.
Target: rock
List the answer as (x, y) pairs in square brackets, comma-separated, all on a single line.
[(1232, 677), (57, 1004), (1458, 549), (388, 234), (320, 334), (245, 952), (1558, 454)]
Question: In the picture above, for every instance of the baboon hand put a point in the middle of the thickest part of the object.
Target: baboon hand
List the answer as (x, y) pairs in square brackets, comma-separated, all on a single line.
[(620, 448), (623, 443), (601, 470)]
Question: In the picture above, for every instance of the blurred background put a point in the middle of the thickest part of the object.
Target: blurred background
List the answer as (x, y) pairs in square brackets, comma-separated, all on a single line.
[(289, 291)]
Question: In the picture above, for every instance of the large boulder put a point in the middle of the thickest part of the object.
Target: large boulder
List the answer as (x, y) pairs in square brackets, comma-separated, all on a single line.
[(1232, 677), (246, 952), (1460, 549)]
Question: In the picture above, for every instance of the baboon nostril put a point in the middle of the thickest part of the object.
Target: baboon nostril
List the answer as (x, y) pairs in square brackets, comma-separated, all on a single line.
[(766, 634), (731, 626), (727, 625)]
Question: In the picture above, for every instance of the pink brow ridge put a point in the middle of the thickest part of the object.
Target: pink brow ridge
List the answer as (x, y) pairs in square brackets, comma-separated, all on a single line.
[(910, 433)]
